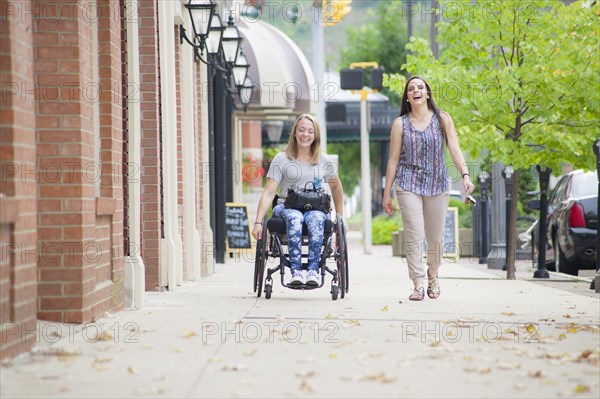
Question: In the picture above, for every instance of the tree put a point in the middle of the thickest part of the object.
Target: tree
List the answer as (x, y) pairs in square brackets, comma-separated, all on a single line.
[(520, 78)]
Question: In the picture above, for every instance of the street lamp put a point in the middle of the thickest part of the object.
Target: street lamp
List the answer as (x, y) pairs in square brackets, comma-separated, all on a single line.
[(544, 176), (246, 91), (215, 34), (483, 178), (274, 130), (240, 68), (205, 23), (231, 42), (507, 173)]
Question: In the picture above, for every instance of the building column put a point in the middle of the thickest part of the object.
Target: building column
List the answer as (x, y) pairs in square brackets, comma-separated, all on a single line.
[(18, 203), (171, 244), (135, 279)]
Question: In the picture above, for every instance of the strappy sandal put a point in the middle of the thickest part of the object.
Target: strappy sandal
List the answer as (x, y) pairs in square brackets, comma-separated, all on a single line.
[(433, 287), (418, 294)]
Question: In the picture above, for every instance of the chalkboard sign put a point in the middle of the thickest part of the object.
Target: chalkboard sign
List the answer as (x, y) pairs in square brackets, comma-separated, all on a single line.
[(451, 244), (237, 227)]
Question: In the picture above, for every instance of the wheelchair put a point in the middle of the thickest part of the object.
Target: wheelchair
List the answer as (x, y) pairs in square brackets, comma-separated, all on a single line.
[(273, 244)]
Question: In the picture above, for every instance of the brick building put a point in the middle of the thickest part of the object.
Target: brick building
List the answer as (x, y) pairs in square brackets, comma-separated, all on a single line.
[(109, 145), (99, 194)]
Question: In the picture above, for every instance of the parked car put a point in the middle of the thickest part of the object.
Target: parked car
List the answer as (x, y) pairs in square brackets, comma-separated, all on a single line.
[(572, 223)]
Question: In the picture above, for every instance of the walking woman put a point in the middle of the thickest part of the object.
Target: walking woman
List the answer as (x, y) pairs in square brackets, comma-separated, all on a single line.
[(417, 169)]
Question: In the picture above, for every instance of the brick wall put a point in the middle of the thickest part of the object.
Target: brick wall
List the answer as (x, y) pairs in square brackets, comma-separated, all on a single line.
[(79, 145), (18, 205), (151, 230)]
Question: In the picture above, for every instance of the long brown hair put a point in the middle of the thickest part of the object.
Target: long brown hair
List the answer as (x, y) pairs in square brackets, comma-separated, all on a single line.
[(405, 106), (291, 149)]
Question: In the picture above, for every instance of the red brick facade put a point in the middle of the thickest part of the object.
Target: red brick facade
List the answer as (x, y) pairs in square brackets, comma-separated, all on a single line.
[(151, 167), (62, 185), (79, 141), (18, 205)]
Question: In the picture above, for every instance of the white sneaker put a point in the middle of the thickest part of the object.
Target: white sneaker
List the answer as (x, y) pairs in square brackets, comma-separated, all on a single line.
[(297, 277), (313, 278)]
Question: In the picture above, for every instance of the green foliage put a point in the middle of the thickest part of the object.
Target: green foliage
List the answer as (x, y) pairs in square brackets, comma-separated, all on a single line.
[(349, 170), (465, 213), (520, 79), (383, 226), (380, 38)]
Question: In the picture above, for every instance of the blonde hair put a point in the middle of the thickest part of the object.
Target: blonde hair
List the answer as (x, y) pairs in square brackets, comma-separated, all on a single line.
[(291, 149)]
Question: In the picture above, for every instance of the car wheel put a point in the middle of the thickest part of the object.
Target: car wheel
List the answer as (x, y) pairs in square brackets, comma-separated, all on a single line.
[(560, 263)]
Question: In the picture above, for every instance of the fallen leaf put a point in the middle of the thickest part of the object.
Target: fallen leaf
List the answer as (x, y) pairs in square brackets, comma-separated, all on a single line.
[(508, 313), (330, 316), (104, 336), (509, 366), (251, 353), (188, 334), (234, 367), (333, 355), (384, 309), (133, 370), (213, 359), (535, 374), (103, 360), (381, 377), (582, 388), (306, 387)]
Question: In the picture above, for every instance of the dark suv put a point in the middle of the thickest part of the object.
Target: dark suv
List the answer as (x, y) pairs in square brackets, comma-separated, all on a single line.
[(572, 223)]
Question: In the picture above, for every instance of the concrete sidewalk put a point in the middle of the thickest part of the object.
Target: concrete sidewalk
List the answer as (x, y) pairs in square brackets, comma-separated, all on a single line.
[(484, 337)]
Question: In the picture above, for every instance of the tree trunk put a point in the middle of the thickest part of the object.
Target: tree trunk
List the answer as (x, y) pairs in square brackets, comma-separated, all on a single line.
[(511, 250)]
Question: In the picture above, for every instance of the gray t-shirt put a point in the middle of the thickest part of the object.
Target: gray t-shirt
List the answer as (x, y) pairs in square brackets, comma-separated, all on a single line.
[(289, 172)]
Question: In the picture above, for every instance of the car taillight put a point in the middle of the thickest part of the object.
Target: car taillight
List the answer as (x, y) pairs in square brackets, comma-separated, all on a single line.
[(577, 218)]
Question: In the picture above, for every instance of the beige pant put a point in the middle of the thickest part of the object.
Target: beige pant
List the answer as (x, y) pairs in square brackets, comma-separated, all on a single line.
[(423, 218)]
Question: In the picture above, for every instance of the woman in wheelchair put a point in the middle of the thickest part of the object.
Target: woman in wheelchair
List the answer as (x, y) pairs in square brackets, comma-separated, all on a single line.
[(301, 163)]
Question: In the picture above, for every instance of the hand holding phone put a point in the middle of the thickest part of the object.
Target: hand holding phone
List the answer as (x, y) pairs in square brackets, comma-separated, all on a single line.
[(469, 200)]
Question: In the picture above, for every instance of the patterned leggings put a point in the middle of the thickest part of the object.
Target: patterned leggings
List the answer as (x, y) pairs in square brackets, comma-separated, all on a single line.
[(315, 224)]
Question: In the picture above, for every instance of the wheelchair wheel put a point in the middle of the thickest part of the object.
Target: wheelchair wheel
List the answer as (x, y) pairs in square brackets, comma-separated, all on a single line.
[(260, 260), (342, 257)]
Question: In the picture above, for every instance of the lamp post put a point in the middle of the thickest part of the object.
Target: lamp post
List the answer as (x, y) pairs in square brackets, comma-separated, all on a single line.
[(507, 173), (483, 178), (222, 46), (544, 176)]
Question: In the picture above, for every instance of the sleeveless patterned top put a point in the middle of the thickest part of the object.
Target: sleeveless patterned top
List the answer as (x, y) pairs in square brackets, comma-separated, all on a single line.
[(422, 167)]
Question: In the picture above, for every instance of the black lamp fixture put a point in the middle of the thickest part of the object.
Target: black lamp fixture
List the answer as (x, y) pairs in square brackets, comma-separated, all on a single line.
[(231, 42), (215, 34), (240, 68), (246, 92), (208, 29)]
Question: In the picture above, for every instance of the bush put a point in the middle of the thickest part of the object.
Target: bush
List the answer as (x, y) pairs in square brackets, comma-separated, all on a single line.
[(465, 213), (383, 226)]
